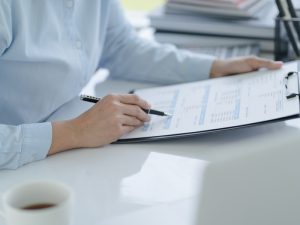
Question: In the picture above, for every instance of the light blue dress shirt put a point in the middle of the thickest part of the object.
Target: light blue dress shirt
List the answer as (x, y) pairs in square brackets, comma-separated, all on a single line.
[(48, 52)]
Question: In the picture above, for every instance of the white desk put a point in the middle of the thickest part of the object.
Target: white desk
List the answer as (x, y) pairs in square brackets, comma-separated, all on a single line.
[(143, 183)]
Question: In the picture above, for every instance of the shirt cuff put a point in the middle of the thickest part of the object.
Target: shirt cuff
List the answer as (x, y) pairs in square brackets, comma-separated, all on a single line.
[(199, 66), (36, 142)]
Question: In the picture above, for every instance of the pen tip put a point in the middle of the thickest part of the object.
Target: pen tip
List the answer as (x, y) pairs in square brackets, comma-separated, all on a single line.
[(169, 115)]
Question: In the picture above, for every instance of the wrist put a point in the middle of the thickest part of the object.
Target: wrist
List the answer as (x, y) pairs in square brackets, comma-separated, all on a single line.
[(217, 69), (64, 136)]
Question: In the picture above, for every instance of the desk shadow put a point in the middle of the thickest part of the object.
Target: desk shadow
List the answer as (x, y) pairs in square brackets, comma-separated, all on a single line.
[(206, 145), (238, 134)]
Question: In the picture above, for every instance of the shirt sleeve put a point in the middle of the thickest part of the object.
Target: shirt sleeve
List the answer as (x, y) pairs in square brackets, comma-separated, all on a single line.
[(5, 25), (23, 144), (129, 57)]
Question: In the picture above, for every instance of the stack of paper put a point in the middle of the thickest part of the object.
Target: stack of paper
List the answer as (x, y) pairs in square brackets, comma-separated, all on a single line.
[(186, 23), (231, 8)]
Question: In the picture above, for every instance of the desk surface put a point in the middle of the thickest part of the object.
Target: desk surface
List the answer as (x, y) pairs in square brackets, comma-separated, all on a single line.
[(127, 183)]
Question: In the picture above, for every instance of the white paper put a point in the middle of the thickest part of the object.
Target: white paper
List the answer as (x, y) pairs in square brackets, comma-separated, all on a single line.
[(220, 103)]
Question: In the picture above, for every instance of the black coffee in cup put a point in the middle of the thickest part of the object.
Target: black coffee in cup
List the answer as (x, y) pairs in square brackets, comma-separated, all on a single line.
[(38, 206)]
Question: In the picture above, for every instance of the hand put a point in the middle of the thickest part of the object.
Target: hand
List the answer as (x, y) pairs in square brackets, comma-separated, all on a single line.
[(104, 123), (241, 65)]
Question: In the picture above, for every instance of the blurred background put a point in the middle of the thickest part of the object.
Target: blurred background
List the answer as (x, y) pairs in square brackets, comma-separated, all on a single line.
[(223, 28), (141, 5)]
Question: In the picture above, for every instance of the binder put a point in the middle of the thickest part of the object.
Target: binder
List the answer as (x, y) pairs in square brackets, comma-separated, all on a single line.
[(221, 104), (289, 94)]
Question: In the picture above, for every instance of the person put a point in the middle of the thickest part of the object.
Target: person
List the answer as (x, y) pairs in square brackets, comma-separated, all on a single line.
[(48, 52)]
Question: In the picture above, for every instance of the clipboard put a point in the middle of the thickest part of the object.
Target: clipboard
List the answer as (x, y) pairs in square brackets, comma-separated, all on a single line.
[(285, 96)]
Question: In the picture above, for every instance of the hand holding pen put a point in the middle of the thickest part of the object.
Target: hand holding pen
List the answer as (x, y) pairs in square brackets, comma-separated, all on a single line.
[(102, 124), (107, 121), (93, 99)]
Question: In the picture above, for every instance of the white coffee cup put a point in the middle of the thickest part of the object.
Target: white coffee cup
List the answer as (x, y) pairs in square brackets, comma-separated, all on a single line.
[(37, 203)]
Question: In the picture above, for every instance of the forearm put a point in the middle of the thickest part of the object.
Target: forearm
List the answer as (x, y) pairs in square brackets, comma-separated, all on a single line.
[(163, 64), (130, 57)]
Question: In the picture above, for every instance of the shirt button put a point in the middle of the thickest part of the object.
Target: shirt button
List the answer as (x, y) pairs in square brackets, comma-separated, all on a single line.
[(78, 44), (70, 3)]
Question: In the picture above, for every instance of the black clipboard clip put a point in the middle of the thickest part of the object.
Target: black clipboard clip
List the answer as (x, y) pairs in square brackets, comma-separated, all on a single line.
[(290, 95)]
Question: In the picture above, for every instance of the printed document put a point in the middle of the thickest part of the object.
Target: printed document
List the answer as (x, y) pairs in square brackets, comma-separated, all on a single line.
[(221, 103)]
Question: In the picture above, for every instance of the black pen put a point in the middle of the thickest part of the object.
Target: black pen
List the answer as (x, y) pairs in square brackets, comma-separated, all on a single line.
[(93, 99)]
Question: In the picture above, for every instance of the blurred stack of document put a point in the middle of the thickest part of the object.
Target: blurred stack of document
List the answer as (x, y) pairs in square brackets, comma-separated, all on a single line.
[(216, 23), (228, 8)]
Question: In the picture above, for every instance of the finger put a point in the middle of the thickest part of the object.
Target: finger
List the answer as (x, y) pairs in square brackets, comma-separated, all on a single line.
[(258, 63), (135, 111), (131, 121), (133, 99)]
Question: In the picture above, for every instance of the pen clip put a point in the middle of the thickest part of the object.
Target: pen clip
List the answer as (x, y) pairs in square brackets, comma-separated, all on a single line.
[(290, 95)]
